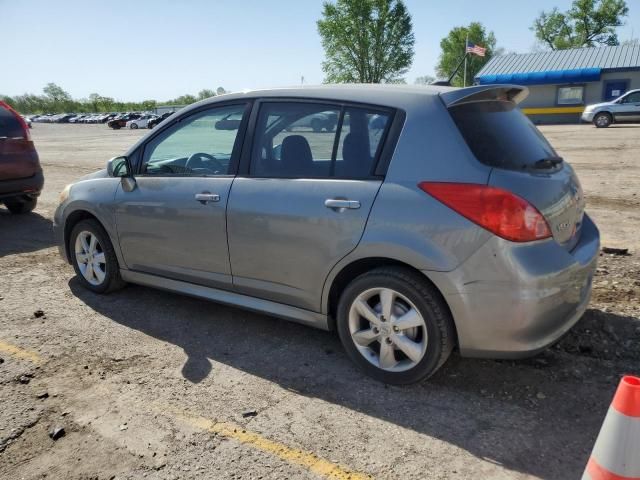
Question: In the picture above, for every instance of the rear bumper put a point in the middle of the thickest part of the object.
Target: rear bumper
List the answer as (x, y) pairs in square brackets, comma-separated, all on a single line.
[(512, 300), (31, 186)]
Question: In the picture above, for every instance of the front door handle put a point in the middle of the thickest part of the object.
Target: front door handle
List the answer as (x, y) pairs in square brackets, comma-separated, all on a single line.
[(341, 204), (206, 197)]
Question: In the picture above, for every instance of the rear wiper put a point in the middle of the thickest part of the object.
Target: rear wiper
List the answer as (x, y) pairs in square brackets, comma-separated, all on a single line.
[(548, 162)]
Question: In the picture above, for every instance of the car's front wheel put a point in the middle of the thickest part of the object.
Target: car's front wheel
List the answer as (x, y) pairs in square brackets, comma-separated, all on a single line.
[(394, 325), (94, 258), (602, 120), (21, 204), (133, 126)]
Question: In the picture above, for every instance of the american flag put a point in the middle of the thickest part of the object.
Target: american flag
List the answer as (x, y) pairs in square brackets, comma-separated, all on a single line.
[(476, 49)]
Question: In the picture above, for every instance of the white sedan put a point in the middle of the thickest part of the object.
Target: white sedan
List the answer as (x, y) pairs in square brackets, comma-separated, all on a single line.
[(140, 122)]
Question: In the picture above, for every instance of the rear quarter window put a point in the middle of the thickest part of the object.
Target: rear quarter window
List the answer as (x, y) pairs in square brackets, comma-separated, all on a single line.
[(500, 135)]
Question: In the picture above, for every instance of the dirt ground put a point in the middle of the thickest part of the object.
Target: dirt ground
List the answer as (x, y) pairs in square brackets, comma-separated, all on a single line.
[(148, 384)]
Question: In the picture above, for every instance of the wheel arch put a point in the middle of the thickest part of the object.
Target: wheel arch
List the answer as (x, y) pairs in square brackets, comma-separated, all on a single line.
[(362, 265), (606, 112), (71, 221)]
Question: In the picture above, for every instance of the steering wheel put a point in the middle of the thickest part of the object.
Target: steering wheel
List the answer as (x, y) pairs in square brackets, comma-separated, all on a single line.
[(192, 162)]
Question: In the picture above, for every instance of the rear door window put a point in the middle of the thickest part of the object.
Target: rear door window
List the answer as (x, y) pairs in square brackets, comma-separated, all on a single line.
[(500, 135), (311, 140), (360, 138)]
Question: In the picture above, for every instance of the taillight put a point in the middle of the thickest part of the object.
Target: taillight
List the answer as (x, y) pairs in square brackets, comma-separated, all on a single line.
[(25, 128), (499, 211)]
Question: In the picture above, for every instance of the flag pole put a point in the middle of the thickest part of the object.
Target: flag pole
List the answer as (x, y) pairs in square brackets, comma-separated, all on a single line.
[(448, 82), (466, 43)]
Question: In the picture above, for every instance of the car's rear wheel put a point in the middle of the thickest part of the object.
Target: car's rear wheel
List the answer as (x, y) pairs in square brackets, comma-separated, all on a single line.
[(20, 205), (133, 126), (93, 257), (602, 120), (394, 325)]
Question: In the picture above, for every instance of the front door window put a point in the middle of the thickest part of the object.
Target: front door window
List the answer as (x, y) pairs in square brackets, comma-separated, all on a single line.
[(200, 145)]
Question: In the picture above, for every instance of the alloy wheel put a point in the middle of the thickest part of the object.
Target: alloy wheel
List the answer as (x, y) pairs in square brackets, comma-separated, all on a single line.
[(387, 329), (603, 120), (90, 258)]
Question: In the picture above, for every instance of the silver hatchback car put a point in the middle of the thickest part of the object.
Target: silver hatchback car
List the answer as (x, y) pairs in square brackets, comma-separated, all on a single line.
[(425, 219)]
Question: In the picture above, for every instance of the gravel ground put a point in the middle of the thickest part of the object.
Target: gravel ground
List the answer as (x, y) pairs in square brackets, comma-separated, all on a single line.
[(151, 384)]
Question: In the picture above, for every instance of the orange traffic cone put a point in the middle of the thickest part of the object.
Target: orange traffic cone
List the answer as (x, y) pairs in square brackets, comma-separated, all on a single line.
[(616, 454)]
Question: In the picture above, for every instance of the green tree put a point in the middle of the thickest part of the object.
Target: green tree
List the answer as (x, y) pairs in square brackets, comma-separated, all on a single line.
[(148, 104), (56, 93), (184, 100), (366, 41), (424, 80), (94, 100), (586, 24), (453, 50), (59, 99), (206, 93)]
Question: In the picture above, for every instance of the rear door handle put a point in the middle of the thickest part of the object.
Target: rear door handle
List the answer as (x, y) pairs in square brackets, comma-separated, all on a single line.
[(338, 204), (206, 197)]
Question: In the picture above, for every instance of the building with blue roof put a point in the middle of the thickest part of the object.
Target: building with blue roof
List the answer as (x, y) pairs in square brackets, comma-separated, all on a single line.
[(562, 82)]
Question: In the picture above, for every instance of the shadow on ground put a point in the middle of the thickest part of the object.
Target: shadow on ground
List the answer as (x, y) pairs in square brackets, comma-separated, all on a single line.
[(24, 233), (538, 416)]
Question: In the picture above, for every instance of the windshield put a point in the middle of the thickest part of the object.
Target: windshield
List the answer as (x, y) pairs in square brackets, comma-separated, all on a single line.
[(501, 136)]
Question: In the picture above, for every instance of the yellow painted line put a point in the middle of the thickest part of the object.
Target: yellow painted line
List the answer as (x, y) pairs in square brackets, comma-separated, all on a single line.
[(551, 110), (305, 459), (20, 353)]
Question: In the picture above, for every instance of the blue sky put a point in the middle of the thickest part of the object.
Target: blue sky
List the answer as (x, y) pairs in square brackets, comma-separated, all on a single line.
[(160, 49)]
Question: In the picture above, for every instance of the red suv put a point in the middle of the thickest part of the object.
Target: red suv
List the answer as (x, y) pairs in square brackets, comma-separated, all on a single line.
[(21, 178)]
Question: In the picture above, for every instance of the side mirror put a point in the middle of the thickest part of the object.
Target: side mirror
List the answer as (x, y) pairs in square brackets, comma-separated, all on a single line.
[(118, 167)]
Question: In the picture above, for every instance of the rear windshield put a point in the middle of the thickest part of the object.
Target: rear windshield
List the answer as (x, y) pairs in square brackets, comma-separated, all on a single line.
[(500, 135), (9, 125)]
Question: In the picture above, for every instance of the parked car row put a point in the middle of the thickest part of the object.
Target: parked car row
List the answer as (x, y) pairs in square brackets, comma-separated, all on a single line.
[(133, 121), (115, 120), (71, 117)]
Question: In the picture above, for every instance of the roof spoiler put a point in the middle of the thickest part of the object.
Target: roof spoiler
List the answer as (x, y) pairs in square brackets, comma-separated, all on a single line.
[(483, 93)]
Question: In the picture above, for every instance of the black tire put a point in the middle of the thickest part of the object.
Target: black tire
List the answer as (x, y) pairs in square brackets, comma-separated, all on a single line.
[(439, 324), (603, 120), (133, 126), (112, 280), (20, 205)]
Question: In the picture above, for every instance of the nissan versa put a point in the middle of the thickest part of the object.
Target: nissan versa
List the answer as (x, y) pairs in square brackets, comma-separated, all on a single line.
[(429, 219)]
